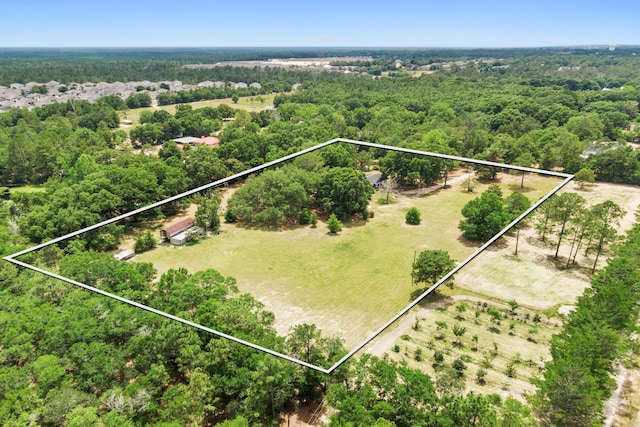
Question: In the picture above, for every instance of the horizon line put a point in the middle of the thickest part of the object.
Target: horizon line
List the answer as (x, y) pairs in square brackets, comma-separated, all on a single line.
[(584, 45)]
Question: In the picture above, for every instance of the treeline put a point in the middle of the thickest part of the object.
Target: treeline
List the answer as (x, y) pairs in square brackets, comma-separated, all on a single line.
[(201, 94), (580, 376), (157, 64), (386, 394)]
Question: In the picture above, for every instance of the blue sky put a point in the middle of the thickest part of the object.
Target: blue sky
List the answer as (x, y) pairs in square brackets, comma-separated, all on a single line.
[(388, 23)]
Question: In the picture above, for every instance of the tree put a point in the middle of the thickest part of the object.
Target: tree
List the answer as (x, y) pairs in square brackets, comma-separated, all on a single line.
[(334, 224), (414, 169), (413, 216), (517, 203), (208, 214), (585, 176), (431, 265), (235, 98), (344, 192), (606, 218), (564, 211), (145, 242), (484, 216)]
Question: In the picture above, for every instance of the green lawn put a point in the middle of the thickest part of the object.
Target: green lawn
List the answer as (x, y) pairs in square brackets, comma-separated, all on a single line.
[(248, 103), (347, 284), (29, 189)]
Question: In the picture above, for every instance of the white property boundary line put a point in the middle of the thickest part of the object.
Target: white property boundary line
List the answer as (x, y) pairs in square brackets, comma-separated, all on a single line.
[(12, 258)]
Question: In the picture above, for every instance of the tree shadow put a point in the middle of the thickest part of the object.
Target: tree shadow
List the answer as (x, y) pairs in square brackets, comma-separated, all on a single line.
[(468, 242), (517, 188), (354, 222), (432, 298)]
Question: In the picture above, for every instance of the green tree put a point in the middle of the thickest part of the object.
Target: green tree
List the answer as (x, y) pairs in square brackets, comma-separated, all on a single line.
[(431, 265), (484, 216), (208, 213), (412, 216), (344, 192), (606, 219), (144, 242), (565, 209), (334, 224), (585, 176)]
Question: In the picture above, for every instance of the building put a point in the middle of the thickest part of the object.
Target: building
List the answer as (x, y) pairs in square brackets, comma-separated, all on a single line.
[(174, 229), (209, 141), (183, 237), (124, 255)]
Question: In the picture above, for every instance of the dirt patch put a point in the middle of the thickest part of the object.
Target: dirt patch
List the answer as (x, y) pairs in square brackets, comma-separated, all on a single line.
[(533, 277)]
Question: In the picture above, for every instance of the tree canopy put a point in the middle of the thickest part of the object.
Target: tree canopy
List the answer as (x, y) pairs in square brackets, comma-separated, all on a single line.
[(484, 216)]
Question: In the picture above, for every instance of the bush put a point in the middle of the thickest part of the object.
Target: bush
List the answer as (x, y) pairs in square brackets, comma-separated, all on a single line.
[(305, 217), (413, 216), (459, 366), (230, 217), (144, 242)]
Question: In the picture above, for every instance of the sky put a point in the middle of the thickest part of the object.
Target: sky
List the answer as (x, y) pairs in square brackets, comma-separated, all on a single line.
[(321, 23)]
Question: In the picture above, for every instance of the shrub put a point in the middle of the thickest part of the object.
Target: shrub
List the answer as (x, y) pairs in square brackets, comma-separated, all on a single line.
[(413, 216), (313, 219), (480, 376), (459, 366), (334, 224), (305, 217), (230, 217)]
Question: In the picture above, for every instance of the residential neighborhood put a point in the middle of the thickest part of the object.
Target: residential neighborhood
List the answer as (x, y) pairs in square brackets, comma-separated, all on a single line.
[(30, 95)]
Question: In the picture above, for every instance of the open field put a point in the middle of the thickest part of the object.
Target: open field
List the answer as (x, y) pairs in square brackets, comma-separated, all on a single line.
[(248, 103), (347, 284)]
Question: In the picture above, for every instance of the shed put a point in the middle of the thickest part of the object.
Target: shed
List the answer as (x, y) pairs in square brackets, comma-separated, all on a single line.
[(171, 230), (124, 255)]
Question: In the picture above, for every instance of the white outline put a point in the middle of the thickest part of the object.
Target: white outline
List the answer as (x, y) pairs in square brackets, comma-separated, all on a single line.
[(12, 258)]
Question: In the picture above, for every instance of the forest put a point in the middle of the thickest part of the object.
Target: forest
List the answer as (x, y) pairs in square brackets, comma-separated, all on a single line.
[(71, 358)]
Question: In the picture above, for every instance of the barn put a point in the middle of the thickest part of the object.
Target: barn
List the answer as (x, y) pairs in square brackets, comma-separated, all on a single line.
[(176, 228)]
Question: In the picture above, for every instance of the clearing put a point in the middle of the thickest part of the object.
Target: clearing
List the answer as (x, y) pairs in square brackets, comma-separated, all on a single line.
[(348, 284)]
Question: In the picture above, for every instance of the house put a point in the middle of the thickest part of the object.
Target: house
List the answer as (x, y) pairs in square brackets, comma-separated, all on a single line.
[(209, 141), (174, 229), (186, 140), (124, 255)]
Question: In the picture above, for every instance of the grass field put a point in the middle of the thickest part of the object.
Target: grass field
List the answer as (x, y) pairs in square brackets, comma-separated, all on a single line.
[(347, 284), (248, 103)]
